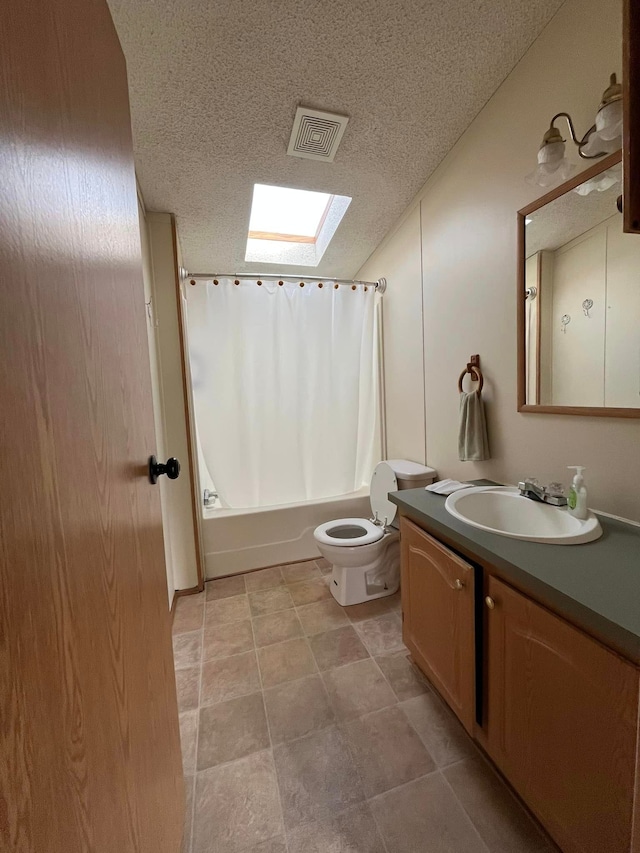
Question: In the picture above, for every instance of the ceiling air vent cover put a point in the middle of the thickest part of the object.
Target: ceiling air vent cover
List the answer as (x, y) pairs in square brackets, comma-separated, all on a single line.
[(316, 135)]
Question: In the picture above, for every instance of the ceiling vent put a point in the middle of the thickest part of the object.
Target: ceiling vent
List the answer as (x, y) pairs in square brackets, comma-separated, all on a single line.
[(316, 135)]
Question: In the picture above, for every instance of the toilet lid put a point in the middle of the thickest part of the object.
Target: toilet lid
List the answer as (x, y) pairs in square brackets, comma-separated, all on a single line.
[(383, 481), (347, 532)]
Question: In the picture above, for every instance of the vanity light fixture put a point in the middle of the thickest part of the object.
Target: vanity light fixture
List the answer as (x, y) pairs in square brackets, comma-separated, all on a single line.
[(603, 137)]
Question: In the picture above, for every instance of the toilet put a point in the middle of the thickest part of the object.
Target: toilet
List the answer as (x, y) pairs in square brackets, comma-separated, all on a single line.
[(365, 553)]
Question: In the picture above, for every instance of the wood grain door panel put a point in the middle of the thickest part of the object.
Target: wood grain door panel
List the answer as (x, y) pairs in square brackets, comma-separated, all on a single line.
[(438, 626), (90, 757), (562, 718)]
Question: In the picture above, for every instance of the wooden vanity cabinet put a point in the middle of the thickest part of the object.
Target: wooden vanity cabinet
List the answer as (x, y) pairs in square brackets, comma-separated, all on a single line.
[(559, 709), (438, 617), (561, 721)]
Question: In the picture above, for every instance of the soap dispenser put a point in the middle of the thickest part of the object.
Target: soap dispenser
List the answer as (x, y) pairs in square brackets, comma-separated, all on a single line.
[(577, 500)]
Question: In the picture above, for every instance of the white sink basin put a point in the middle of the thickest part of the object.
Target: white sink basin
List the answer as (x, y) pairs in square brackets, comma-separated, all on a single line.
[(503, 510)]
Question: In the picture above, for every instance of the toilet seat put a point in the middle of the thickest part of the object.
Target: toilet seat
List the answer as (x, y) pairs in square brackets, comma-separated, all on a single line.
[(348, 532)]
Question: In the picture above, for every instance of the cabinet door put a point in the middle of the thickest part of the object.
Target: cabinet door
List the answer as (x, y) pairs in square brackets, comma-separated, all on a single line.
[(561, 722), (438, 617)]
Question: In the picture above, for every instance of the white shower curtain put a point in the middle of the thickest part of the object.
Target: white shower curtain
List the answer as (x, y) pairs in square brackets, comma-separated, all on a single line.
[(285, 387)]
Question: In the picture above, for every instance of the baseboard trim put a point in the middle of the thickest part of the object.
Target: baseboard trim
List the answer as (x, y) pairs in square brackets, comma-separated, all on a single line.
[(178, 593)]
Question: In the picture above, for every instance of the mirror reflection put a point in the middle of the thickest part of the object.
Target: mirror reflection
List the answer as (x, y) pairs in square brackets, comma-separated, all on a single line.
[(582, 299)]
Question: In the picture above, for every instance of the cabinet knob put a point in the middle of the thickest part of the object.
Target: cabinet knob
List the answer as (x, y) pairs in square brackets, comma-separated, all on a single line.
[(490, 602), (458, 584)]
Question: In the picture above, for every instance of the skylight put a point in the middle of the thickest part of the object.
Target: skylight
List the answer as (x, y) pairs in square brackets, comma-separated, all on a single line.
[(290, 226)]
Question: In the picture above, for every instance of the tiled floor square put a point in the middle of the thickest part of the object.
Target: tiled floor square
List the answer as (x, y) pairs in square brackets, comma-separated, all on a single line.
[(300, 572), (352, 831), (387, 751), (263, 579), (321, 616), (371, 609), (276, 627), (404, 677), (189, 614), (227, 678), (224, 610), (187, 649), (231, 730), (237, 805), (382, 634), (297, 708), (226, 639), (502, 823), (306, 592), (188, 734), (188, 688), (357, 689), (438, 729), (425, 816), (270, 601), (285, 662), (317, 777), (336, 648), (225, 587)]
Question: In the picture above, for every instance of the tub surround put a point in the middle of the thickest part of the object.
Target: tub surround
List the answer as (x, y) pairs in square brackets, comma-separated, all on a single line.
[(237, 541), (595, 586)]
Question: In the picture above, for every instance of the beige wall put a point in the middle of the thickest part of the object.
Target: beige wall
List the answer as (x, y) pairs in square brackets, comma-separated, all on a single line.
[(176, 494), (468, 249), (400, 264), (156, 388)]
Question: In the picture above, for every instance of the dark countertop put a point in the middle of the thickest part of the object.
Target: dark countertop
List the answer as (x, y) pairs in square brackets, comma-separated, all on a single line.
[(596, 586)]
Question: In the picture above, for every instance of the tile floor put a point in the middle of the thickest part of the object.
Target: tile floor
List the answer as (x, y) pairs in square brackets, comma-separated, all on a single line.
[(305, 729)]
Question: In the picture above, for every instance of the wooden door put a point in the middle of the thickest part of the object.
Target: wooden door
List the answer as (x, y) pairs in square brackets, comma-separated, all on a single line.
[(562, 716), (438, 617), (90, 755)]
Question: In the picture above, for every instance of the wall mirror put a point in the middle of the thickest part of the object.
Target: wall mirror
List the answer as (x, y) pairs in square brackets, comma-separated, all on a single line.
[(579, 300)]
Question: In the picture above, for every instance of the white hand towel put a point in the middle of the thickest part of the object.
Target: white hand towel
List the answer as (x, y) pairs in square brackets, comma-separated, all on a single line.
[(447, 487)]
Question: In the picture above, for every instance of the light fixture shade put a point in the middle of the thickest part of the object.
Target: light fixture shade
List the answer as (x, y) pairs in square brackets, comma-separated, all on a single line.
[(600, 183), (553, 166), (607, 136)]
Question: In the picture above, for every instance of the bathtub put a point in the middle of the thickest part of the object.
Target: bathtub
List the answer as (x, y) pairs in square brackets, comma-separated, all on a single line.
[(239, 540)]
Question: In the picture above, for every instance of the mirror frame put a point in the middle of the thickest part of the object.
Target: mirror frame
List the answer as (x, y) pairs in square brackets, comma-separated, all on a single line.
[(535, 408)]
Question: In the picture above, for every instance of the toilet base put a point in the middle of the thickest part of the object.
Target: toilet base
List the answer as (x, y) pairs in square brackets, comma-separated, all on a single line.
[(356, 584)]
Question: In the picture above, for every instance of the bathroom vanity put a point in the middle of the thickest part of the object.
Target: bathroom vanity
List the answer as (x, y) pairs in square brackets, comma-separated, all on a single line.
[(536, 649)]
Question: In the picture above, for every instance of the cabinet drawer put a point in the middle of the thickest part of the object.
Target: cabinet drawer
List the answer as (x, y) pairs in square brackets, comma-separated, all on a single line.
[(438, 617)]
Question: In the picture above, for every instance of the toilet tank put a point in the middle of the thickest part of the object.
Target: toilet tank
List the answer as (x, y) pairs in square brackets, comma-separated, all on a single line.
[(411, 475)]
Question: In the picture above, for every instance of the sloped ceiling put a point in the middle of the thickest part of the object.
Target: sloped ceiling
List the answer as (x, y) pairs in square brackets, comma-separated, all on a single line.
[(215, 85)]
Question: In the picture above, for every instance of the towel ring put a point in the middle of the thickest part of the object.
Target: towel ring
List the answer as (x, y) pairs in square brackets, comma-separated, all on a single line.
[(476, 376)]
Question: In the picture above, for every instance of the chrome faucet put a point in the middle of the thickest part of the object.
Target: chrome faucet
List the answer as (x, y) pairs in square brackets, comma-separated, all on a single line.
[(551, 494)]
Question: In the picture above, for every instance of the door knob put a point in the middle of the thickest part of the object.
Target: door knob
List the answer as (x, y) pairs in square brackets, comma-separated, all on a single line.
[(171, 468), (490, 602), (458, 584)]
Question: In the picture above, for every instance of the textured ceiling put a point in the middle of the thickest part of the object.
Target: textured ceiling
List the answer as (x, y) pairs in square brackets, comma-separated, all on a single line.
[(215, 86)]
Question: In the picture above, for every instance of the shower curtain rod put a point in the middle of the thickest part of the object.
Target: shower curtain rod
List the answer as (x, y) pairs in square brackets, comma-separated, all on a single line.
[(380, 285)]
